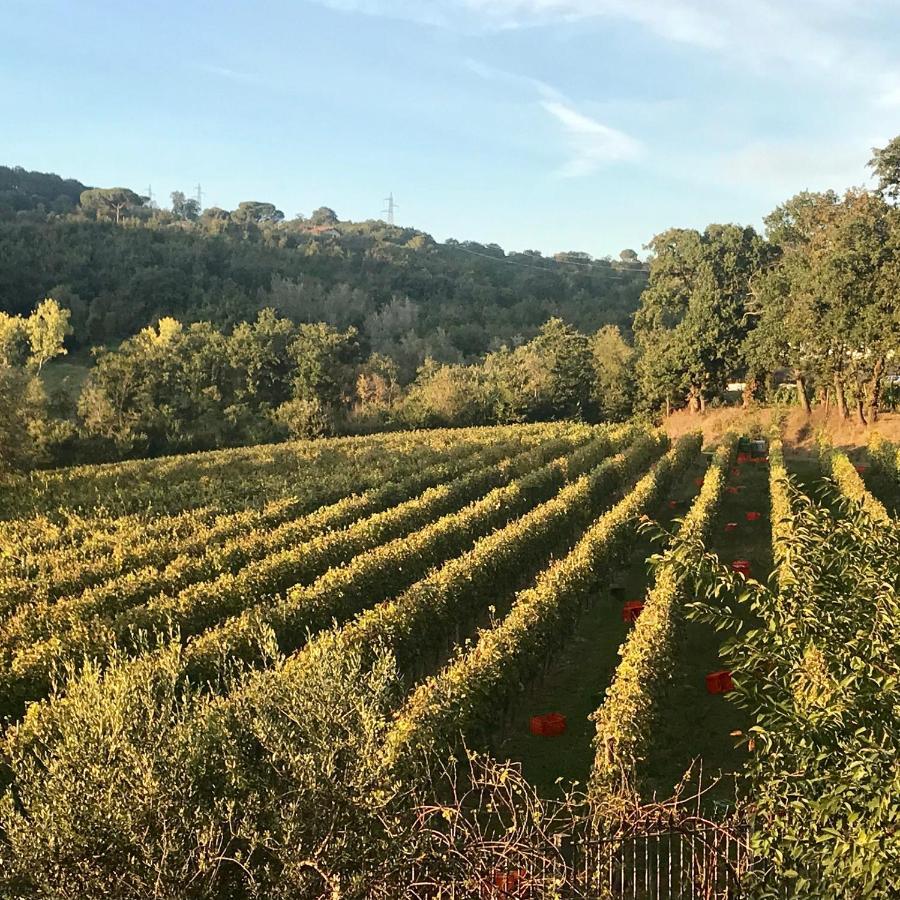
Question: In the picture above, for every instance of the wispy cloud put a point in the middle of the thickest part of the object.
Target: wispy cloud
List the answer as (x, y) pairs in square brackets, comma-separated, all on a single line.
[(814, 38), (512, 79), (592, 143)]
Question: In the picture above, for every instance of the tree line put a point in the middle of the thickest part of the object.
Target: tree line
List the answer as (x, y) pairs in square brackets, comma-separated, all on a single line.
[(118, 264), (318, 326), (811, 302), (174, 387)]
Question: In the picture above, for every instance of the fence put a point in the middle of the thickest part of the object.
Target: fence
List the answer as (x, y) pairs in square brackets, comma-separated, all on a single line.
[(696, 863), (703, 861)]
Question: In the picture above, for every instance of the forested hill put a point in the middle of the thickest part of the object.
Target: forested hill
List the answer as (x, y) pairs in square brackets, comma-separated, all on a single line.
[(408, 295), (21, 190)]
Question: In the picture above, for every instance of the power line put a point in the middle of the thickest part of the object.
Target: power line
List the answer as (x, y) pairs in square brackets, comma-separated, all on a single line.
[(560, 262), (389, 209)]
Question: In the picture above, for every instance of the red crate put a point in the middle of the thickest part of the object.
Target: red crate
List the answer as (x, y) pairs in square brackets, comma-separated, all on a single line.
[(743, 457), (631, 610), (730, 526), (861, 469), (554, 724), (742, 566), (548, 725), (753, 516), (719, 682), (505, 884)]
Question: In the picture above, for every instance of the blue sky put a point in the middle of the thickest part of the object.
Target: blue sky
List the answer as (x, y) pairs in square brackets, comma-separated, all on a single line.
[(538, 124)]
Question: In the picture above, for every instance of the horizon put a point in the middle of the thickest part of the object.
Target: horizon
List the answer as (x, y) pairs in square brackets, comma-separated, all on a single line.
[(571, 125)]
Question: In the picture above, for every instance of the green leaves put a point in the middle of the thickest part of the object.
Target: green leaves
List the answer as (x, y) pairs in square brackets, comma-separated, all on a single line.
[(821, 679), (624, 720)]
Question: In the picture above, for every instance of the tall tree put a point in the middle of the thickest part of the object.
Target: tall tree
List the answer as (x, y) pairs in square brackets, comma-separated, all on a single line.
[(47, 327), (324, 377), (324, 215), (831, 297), (693, 318), (27, 430), (613, 392), (254, 212), (112, 201)]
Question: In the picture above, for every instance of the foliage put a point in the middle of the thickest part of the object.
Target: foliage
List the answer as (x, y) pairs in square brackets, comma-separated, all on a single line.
[(296, 586), (226, 265), (625, 718), (849, 483), (828, 307), (417, 625), (885, 164), (110, 201), (693, 317), (221, 800), (227, 806), (613, 391), (37, 191), (197, 387), (28, 431), (819, 675), (467, 694)]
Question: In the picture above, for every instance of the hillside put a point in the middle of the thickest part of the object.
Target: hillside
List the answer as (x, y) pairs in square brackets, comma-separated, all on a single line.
[(407, 295), (800, 430)]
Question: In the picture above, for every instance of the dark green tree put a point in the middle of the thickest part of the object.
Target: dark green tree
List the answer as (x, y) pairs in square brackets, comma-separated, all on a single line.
[(323, 216), (111, 201), (693, 319)]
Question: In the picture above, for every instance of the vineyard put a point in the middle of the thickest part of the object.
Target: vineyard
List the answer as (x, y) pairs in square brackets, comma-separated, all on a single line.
[(438, 664)]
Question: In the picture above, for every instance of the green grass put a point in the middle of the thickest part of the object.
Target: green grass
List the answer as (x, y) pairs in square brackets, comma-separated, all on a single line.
[(577, 679), (882, 486), (693, 724), (66, 374), (806, 471)]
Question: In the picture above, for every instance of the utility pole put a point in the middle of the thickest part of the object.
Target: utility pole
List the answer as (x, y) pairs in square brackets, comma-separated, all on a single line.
[(389, 209)]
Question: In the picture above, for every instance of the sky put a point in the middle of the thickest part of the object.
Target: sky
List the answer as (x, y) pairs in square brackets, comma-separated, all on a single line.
[(550, 125)]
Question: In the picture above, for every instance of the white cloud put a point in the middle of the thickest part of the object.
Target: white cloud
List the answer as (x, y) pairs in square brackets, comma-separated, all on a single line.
[(814, 38), (592, 143), (786, 167)]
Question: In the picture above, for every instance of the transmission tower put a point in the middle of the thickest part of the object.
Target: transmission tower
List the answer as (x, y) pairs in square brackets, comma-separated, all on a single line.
[(150, 201), (199, 197), (389, 209)]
